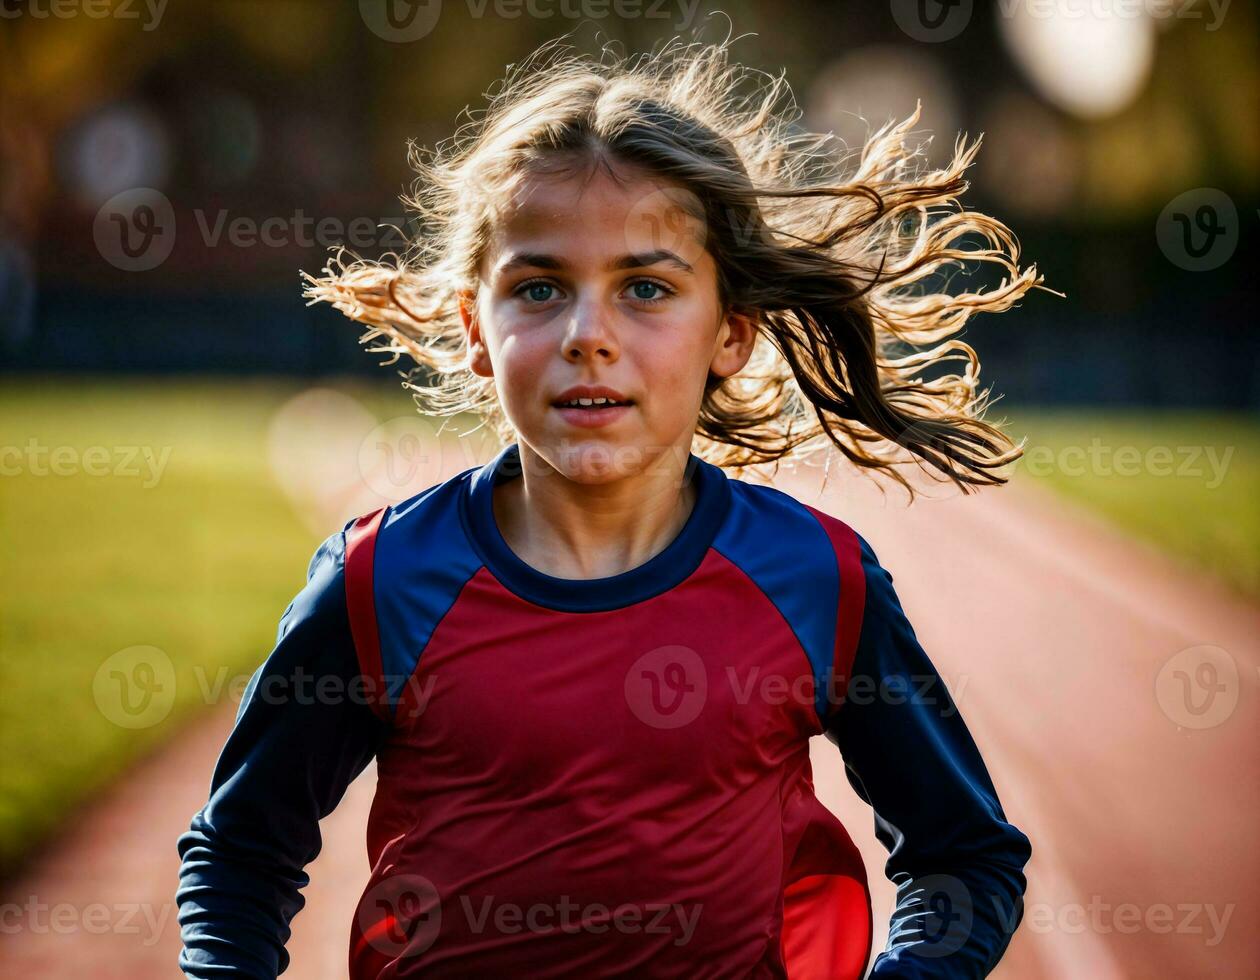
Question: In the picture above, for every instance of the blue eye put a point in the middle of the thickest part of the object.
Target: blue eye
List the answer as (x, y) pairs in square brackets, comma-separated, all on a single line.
[(643, 290), (648, 291)]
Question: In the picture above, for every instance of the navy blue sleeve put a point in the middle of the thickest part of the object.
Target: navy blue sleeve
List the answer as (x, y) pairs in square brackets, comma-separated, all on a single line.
[(303, 732), (956, 860)]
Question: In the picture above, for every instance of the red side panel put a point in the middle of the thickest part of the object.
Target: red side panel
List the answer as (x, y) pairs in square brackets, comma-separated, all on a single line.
[(852, 600), (827, 920), (828, 926), (361, 607)]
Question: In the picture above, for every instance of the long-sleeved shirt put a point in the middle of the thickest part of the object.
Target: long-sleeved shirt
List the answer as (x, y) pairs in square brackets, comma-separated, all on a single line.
[(607, 776)]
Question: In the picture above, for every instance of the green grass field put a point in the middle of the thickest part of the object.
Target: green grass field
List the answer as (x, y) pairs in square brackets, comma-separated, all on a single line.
[(202, 562), (1186, 481)]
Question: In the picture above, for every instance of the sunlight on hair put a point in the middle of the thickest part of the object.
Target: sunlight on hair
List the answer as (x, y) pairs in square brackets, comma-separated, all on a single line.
[(844, 258), (864, 88)]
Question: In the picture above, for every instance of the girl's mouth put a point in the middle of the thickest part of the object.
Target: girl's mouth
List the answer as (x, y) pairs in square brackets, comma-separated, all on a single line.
[(592, 403), (590, 413)]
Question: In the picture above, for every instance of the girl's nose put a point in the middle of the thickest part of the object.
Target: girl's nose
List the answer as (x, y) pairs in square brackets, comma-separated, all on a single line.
[(589, 333)]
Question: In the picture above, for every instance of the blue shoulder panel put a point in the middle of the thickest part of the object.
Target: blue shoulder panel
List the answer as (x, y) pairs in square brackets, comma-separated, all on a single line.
[(766, 526), (423, 560)]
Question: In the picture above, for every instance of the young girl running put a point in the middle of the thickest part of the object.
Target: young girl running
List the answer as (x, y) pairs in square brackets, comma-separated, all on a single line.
[(589, 670)]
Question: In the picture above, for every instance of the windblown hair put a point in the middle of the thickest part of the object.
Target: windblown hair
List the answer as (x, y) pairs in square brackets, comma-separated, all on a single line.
[(842, 259)]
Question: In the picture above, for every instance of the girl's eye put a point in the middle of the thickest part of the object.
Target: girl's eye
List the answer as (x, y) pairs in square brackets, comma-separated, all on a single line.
[(643, 290), (649, 291), (537, 292)]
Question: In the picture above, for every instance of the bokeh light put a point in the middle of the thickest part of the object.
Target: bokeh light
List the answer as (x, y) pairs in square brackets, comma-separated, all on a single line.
[(1088, 58)]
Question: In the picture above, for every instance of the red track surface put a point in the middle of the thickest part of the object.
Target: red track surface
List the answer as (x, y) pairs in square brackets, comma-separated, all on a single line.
[(1051, 630)]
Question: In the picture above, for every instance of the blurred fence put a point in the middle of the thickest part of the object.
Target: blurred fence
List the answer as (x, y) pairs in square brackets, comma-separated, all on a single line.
[(168, 168)]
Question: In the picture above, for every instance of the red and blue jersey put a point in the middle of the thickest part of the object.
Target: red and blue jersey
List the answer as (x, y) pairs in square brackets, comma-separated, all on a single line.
[(602, 777)]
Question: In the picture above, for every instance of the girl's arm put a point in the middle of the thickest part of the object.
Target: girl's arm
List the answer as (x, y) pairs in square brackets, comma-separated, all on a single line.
[(302, 733), (956, 860)]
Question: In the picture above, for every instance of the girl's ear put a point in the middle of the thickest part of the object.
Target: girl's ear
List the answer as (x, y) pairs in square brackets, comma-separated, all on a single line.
[(478, 354), (736, 339)]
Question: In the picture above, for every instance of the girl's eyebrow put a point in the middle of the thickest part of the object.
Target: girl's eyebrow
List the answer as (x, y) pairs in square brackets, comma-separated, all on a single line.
[(637, 260)]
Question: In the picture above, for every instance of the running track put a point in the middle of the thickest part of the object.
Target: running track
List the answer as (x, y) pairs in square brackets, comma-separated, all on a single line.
[(1053, 632)]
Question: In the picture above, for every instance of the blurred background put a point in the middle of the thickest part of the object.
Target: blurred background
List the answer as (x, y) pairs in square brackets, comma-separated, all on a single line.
[(178, 429)]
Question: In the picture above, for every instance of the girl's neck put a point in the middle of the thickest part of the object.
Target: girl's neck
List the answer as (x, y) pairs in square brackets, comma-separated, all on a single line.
[(577, 530)]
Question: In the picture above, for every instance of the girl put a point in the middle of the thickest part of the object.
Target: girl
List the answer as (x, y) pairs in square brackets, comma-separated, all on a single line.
[(589, 670)]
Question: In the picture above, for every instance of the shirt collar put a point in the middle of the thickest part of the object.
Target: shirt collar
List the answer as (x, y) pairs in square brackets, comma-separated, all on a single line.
[(658, 574)]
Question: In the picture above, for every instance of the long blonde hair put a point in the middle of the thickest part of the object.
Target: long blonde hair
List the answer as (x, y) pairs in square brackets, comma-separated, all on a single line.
[(841, 258)]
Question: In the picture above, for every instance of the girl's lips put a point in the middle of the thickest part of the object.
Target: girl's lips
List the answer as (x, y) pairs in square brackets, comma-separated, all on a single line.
[(592, 418)]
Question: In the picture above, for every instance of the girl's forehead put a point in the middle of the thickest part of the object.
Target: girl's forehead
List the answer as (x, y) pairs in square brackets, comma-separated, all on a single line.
[(541, 198), (580, 215)]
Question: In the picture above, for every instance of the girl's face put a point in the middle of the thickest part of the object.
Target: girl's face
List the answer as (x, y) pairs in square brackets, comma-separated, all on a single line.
[(591, 281)]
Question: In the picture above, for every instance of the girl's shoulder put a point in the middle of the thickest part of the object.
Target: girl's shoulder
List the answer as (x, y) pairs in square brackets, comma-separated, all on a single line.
[(791, 547), (773, 522)]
